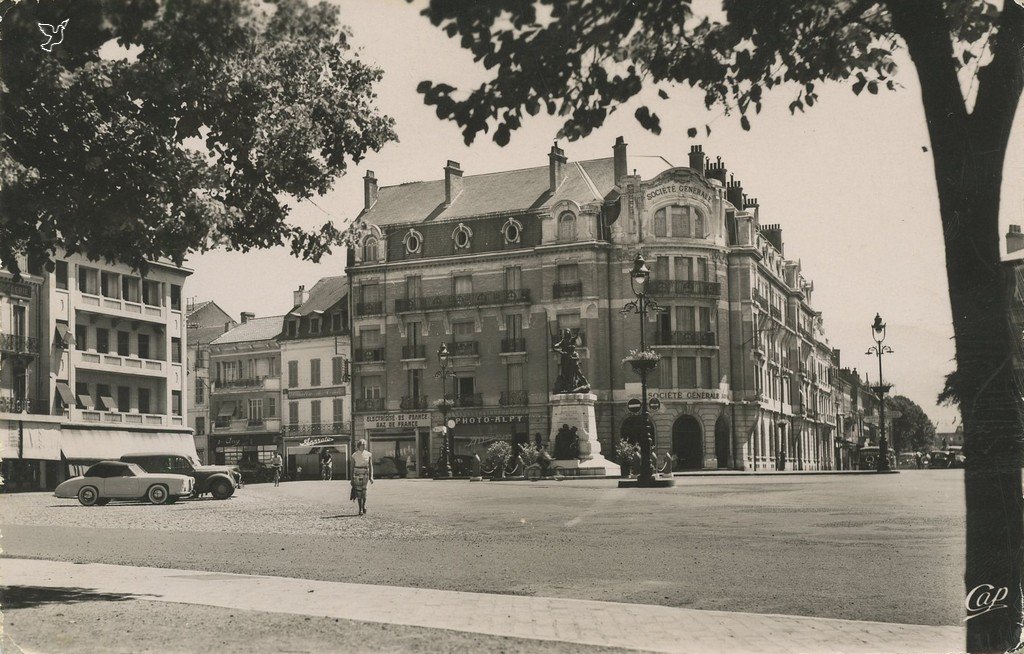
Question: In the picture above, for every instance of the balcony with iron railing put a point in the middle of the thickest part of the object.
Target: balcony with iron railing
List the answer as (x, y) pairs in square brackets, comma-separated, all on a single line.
[(243, 425), (463, 348), (760, 299), (367, 354), (567, 289), (684, 288), (410, 402), (467, 399), (368, 404), (77, 414), (244, 384), (776, 313), (317, 428), (369, 308), (17, 344), (414, 351), (685, 338), (463, 300), (514, 398), (513, 345)]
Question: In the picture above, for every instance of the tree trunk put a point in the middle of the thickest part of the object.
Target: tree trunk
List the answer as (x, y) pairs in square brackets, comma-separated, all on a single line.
[(968, 152)]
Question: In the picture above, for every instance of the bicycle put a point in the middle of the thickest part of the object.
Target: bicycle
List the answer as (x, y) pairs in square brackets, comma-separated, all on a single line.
[(326, 472), (535, 472)]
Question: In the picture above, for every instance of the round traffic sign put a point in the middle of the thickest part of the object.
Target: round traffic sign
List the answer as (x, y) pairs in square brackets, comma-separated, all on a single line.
[(633, 405), (654, 404), (451, 424)]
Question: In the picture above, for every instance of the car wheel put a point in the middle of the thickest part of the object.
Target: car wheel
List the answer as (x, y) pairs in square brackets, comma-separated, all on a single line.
[(157, 494), (222, 490), (88, 495)]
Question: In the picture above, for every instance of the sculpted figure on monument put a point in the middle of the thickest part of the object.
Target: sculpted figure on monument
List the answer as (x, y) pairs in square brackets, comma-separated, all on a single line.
[(570, 377), (567, 443)]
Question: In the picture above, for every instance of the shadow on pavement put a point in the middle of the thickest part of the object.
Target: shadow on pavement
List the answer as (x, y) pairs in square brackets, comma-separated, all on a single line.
[(24, 597), (344, 515)]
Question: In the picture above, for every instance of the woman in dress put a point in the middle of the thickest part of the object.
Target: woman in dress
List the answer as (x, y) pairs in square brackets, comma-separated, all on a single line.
[(362, 473)]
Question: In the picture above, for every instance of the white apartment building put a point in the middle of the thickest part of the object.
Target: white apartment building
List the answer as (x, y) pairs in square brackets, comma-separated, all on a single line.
[(315, 361), (205, 321)]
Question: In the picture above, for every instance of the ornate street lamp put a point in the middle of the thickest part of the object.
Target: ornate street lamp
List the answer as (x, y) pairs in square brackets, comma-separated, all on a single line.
[(447, 432), (638, 278), (878, 334)]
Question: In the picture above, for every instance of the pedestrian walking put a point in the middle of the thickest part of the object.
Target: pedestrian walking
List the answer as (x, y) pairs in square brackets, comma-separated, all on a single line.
[(277, 463), (362, 474)]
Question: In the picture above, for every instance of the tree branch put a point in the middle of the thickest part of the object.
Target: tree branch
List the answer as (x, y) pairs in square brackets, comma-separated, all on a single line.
[(1001, 81)]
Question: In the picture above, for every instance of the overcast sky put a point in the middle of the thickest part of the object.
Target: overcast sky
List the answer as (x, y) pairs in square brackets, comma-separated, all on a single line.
[(849, 182)]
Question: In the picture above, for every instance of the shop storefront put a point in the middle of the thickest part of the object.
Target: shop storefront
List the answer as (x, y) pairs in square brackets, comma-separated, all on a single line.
[(31, 455), (306, 453), (475, 433), (243, 449), (399, 443)]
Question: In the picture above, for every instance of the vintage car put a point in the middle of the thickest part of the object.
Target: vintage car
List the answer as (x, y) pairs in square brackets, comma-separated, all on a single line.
[(867, 458), (909, 460), (117, 480), (219, 481), (955, 457)]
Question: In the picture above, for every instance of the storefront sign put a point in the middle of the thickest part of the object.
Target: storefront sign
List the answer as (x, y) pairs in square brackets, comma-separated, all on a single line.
[(692, 395), (240, 441), (489, 420), (396, 420), (306, 393), (310, 442), (683, 189)]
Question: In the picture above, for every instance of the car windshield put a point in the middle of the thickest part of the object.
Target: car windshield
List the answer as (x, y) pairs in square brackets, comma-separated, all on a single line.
[(135, 469)]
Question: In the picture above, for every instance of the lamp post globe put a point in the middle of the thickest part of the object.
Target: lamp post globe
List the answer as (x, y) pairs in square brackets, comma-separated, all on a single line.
[(448, 434), (878, 349)]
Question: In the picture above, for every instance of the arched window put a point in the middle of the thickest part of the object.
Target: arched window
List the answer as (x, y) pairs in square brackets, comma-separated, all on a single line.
[(567, 227), (370, 248), (413, 242), (462, 236), (512, 231), (678, 221)]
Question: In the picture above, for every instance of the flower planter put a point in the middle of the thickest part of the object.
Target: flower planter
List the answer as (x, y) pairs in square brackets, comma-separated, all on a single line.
[(643, 366)]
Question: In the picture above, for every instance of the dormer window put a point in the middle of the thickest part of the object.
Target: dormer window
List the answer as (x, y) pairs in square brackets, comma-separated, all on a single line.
[(567, 227), (462, 237), (370, 248), (314, 325), (512, 231), (413, 242), (293, 328)]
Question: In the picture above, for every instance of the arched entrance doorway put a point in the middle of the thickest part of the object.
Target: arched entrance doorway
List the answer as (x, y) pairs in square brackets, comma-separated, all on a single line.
[(688, 443), (722, 443)]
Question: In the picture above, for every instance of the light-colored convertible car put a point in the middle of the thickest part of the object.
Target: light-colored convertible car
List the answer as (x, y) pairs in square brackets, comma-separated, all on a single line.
[(117, 480)]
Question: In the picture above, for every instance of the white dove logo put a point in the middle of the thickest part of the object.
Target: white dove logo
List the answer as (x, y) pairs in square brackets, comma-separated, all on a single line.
[(55, 35)]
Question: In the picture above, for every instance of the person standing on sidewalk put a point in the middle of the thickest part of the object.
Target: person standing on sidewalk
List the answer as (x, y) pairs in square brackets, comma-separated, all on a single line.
[(362, 473), (326, 465), (276, 463)]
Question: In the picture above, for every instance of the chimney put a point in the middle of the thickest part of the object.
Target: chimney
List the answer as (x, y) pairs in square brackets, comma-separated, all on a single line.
[(716, 170), (734, 193), (619, 154), (773, 233), (556, 166), (299, 296), (369, 189), (247, 316), (697, 158), (1014, 239), (452, 182)]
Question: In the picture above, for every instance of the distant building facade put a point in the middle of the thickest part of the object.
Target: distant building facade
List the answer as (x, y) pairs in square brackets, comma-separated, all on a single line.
[(205, 321), (495, 265)]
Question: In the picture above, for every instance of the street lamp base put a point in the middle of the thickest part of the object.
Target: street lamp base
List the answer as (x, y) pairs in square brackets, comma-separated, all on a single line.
[(647, 483)]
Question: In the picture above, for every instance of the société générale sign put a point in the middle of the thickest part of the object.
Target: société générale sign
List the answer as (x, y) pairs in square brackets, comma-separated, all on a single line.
[(679, 189)]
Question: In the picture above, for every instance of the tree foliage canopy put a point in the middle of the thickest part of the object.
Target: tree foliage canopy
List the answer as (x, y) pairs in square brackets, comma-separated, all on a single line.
[(193, 134), (911, 428)]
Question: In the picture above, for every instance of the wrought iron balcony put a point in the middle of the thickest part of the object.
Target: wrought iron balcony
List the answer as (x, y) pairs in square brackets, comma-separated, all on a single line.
[(369, 308), (684, 288), (567, 289), (760, 299), (458, 300), (414, 402), (19, 344), (469, 399), (463, 348), (414, 351), (513, 345), (368, 404), (317, 428), (246, 382), (776, 313), (514, 398), (685, 338), (368, 354)]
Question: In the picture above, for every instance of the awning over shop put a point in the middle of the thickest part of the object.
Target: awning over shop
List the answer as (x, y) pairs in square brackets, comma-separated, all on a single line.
[(66, 396), (114, 443), (226, 410), (40, 442), (85, 401), (108, 403)]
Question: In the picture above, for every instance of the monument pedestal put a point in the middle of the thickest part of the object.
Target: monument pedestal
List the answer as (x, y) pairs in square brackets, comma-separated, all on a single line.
[(569, 410)]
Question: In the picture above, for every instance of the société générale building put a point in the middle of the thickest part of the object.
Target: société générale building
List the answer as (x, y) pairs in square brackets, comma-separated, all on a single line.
[(495, 265)]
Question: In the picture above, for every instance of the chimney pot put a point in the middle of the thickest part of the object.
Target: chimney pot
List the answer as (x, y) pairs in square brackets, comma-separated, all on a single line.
[(247, 316), (299, 296), (1014, 239), (698, 160), (734, 193), (716, 170), (452, 182), (369, 190), (556, 167), (621, 165)]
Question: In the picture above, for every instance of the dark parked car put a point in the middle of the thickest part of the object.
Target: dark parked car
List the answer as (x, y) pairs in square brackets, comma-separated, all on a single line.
[(867, 458), (910, 460), (255, 471), (219, 481), (955, 457)]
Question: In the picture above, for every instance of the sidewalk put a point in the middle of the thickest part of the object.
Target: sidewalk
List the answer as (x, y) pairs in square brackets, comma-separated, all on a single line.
[(633, 626)]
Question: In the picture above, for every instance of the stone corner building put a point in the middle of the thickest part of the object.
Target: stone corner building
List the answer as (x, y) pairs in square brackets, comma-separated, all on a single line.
[(494, 265)]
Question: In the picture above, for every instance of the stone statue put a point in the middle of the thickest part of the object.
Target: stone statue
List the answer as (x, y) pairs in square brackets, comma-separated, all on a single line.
[(570, 377), (567, 443)]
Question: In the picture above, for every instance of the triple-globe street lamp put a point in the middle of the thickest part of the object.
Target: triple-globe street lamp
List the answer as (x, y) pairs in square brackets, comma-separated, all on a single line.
[(447, 432), (878, 334), (638, 278)]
